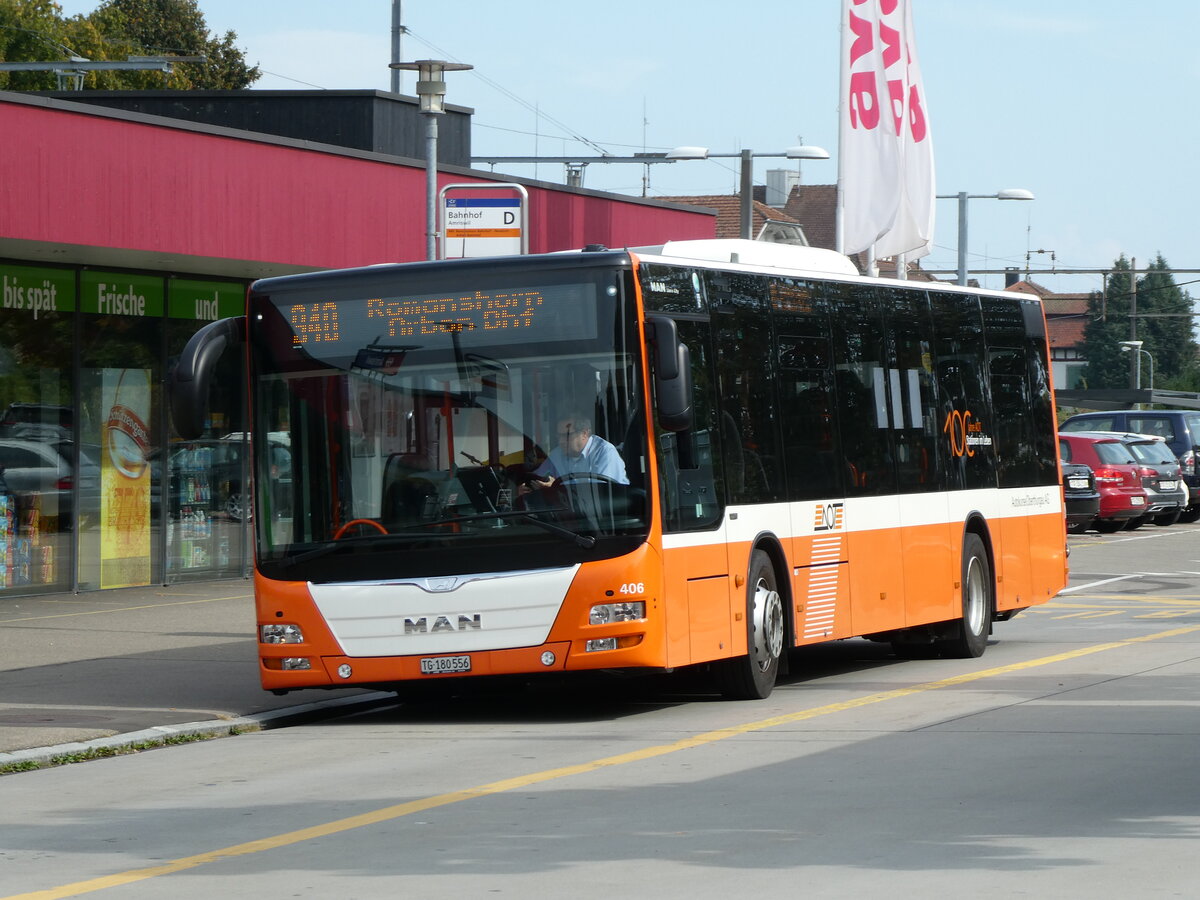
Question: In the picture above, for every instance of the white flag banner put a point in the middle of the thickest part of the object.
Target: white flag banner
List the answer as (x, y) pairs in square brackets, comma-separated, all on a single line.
[(885, 171)]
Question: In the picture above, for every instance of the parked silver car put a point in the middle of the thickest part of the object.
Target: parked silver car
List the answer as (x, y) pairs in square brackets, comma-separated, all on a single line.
[(42, 473), (1162, 477)]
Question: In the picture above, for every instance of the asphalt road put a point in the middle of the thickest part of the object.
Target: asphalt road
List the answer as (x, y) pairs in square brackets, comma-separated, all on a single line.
[(1061, 764)]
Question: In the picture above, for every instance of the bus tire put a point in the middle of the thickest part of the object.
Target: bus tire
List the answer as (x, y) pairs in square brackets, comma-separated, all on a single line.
[(971, 631), (752, 677)]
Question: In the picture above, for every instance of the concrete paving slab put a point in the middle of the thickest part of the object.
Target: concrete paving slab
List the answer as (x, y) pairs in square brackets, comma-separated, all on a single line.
[(97, 666)]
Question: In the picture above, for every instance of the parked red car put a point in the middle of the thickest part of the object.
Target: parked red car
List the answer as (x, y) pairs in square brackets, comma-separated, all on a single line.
[(1118, 477)]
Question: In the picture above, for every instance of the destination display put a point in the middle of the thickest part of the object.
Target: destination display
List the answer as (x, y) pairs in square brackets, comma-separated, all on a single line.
[(565, 312)]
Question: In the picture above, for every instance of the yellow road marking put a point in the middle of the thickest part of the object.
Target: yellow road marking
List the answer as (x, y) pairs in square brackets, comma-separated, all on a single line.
[(399, 810), (1183, 600), (100, 612)]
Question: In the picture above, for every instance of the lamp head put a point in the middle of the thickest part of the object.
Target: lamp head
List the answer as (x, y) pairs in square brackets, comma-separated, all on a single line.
[(688, 153), (431, 84), (806, 151), (1014, 194)]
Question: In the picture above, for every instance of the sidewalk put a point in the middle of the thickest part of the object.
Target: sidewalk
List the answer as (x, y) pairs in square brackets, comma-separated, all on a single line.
[(133, 665)]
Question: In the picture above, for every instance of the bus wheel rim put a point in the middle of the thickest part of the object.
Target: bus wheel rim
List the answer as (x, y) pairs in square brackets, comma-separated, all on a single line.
[(768, 625), (975, 610)]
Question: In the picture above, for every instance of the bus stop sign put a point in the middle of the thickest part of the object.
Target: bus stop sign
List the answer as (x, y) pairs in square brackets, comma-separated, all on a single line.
[(483, 226)]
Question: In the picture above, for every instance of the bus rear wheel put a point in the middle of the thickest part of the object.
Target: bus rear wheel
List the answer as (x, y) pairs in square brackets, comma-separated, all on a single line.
[(971, 631), (752, 677)]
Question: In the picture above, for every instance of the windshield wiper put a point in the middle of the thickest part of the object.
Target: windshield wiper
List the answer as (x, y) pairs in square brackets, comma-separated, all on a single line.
[(586, 541), (335, 545)]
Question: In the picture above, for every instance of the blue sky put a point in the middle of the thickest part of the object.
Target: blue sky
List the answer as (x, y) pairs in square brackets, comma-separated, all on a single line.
[(1089, 104)]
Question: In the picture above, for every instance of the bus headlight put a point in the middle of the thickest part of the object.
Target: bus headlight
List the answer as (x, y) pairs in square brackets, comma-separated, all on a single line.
[(626, 611), (276, 633)]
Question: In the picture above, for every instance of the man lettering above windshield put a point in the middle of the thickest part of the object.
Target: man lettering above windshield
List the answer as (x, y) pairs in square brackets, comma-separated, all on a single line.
[(579, 452)]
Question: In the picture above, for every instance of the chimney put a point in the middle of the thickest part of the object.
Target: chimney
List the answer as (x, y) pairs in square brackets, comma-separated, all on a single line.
[(779, 186), (1011, 276)]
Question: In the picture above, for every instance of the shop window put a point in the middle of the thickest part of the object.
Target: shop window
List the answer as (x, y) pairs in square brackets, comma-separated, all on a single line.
[(40, 466)]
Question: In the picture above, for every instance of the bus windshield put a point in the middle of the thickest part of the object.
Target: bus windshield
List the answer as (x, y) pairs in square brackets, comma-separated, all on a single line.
[(463, 419)]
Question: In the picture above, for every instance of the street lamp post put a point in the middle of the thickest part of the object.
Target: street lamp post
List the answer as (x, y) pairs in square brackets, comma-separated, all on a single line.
[(576, 164), (431, 90), (746, 183), (1128, 346), (963, 197)]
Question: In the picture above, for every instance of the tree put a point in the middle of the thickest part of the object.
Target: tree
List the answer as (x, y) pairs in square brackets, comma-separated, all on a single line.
[(175, 28), (31, 30), (34, 30), (1108, 325), (1164, 325), (1167, 332)]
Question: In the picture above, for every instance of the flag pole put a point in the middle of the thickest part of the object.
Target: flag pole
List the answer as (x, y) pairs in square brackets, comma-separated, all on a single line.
[(839, 228)]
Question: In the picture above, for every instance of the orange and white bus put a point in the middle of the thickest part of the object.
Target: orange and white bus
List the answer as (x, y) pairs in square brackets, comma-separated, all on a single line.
[(808, 455)]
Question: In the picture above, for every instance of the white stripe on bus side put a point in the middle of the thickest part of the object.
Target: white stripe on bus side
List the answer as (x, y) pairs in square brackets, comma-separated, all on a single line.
[(788, 520)]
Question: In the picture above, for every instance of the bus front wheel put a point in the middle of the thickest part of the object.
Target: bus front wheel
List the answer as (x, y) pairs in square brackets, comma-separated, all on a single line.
[(752, 677), (971, 632)]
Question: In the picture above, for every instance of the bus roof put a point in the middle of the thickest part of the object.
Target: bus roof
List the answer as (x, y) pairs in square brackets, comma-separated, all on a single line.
[(756, 253), (790, 259)]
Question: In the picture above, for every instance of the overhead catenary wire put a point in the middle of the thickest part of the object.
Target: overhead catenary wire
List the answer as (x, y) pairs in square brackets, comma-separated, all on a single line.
[(568, 131)]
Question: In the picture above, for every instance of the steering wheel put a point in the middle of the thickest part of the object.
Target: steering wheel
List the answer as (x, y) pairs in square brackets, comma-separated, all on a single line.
[(337, 535), (593, 477)]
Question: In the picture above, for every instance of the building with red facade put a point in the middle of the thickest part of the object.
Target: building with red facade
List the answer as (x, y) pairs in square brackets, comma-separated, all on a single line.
[(122, 232)]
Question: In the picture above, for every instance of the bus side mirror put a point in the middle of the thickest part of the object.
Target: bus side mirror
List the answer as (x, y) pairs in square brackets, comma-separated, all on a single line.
[(188, 383), (672, 374)]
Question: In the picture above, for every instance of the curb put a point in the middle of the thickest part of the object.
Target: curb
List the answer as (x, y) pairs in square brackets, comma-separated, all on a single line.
[(160, 734)]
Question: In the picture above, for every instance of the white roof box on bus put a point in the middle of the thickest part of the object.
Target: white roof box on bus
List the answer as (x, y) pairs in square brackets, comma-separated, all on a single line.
[(757, 253)]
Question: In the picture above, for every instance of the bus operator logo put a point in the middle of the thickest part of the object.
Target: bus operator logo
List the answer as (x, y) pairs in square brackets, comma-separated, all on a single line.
[(965, 433), (828, 517)]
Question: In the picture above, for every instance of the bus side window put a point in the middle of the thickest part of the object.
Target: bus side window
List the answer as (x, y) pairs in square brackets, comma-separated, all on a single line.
[(809, 418), (1015, 462), (915, 427), (691, 489), (862, 378), (1041, 399), (746, 387), (1015, 400), (967, 424)]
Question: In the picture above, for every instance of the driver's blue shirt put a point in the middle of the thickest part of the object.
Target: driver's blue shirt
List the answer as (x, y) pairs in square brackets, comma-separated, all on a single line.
[(599, 457)]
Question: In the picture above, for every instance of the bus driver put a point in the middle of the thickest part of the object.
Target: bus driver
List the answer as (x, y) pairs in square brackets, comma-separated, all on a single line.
[(579, 452)]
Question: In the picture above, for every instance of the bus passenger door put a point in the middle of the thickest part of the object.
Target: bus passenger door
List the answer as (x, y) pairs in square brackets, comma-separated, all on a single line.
[(872, 508), (696, 581), (749, 428), (813, 452), (926, 544)]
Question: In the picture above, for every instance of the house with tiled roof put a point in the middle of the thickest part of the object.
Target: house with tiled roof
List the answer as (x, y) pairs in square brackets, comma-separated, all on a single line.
[(767, 223), (809, 218), (814, 206), (1066, 316)]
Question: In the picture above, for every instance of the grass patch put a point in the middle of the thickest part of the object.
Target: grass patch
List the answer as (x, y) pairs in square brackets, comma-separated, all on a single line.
[(67, 759)]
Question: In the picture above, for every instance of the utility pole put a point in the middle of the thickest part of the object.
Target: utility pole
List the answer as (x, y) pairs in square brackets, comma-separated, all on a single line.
[(397, 30), (1135, 359)]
